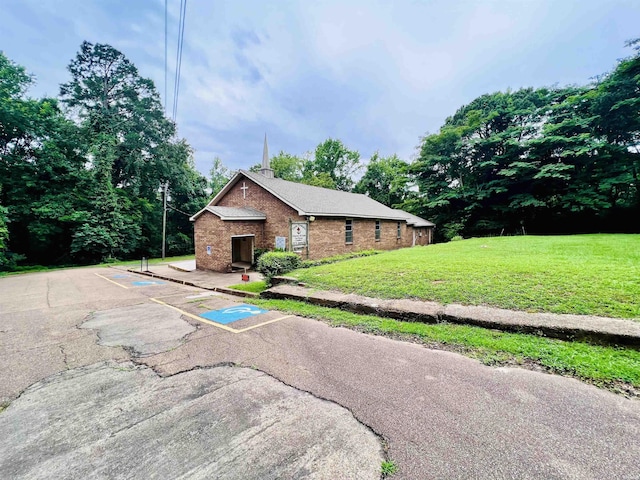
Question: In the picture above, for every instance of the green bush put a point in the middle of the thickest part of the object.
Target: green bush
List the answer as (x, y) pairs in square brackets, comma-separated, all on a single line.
[(277, 263), (257, 253), (451, 230)]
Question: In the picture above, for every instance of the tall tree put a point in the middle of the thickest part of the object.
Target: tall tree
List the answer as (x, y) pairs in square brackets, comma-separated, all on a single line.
[(42, 174), (616, 109), (334, 160), (285, 166), (219, 175), (111, 98), (386, 180), (132, 147)]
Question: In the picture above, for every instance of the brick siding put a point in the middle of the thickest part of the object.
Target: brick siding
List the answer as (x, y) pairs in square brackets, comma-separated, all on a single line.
[(326, 235)]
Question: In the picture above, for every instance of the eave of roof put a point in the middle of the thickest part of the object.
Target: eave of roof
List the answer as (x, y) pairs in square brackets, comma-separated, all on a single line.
[(236, 213), (381, 211)]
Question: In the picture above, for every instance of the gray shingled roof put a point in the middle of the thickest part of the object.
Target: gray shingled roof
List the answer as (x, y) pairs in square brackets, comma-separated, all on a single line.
[(309, 200), (415, 220), (235, 213)]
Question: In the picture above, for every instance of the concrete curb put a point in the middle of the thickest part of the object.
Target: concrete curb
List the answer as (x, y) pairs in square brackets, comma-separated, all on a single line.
[(228, 291), (601, 330)]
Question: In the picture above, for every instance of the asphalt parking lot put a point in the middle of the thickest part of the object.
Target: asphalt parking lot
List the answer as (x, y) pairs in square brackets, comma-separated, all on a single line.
[(106, 375)]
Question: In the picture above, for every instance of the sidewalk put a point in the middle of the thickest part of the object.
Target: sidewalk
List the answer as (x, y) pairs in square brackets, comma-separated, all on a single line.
[(571, 327), (610, 331), (218, 282)]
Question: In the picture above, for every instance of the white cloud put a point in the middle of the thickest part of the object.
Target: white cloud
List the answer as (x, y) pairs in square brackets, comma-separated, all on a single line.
[(376, 74)]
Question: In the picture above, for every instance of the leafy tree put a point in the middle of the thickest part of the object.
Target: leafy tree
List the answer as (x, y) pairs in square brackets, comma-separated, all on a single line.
[(111, 98), (616, 110), (219, 175), (550, 159), (42, 175), (385, 180), (133, 153), (285, 166), (321, 179), (188, 194), (334, 159)]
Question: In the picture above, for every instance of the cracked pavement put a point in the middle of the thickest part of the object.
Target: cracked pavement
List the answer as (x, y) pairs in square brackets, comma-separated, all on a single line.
[(441, 415)]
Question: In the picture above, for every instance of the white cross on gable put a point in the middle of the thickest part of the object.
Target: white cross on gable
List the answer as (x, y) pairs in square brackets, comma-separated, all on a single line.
[(244, 190)]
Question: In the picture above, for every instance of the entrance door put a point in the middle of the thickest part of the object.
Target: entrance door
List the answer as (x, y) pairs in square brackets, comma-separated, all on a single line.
[(242, 249)]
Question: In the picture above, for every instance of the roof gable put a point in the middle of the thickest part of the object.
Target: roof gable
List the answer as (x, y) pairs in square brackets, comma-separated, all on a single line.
[(325, 202), (309, 200)]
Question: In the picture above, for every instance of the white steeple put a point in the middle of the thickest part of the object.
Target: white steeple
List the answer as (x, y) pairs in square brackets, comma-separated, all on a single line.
[(266, 169)]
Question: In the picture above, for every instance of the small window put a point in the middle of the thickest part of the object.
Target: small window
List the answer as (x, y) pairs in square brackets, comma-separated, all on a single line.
[(377, 230), (420, 233), (399, 230), (348, 231)]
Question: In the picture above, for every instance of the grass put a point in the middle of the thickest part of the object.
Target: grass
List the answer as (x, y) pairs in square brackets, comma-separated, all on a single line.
[(387, 468), (255, 287), (579, 274), (616, 368), (132, 263)]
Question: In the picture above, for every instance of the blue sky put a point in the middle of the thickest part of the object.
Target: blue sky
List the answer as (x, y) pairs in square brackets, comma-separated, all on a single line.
[(377, 75)]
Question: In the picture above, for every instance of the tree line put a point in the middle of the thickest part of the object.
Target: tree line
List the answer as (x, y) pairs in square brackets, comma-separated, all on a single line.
[(82, 175), (535, 160), (545, 160)]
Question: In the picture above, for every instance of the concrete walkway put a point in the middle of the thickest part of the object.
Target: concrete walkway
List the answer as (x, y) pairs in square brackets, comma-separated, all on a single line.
[(572, 327), (185, 266), (604, 330), (198, 278)]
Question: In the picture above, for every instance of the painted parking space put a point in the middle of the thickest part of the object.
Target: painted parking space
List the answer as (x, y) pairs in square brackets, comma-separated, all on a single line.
[(243, 317), (125, 280), (147, 283), (233, 314), (252, 316)]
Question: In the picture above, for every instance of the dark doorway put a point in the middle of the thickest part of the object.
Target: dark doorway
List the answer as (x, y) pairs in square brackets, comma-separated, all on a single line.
[(242, 251)]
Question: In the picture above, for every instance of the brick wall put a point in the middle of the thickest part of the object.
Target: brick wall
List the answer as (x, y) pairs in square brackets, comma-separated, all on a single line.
[(427, 235), (326, 235), (211, 231), (278, 213)]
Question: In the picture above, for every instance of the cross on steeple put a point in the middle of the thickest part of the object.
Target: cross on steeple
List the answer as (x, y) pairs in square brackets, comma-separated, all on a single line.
[(244, 189)]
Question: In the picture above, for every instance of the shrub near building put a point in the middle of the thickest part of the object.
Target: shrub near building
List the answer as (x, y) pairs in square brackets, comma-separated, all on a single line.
[(271, 264)]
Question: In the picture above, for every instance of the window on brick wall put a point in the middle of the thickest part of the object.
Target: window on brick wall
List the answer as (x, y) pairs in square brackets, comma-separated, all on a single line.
[(348, 231), (377, 230), (399, 229)]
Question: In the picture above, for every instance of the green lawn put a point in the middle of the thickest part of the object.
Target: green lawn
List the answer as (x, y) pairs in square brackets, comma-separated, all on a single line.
[(581, 274), (129, 263), (254, 287), (611, 367)]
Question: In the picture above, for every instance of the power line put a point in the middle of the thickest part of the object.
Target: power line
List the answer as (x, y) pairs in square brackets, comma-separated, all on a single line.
[(176, 84), (180, 211)]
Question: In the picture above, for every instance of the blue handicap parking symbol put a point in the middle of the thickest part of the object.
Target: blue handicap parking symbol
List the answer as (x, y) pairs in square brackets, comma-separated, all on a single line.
[(146, 283), (233, 314), (120, 276)]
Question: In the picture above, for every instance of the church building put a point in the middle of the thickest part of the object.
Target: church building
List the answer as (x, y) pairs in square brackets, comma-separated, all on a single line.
[(256, 210)]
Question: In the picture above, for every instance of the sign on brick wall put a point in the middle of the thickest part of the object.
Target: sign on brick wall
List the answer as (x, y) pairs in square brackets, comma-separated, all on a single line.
[(299, 237)]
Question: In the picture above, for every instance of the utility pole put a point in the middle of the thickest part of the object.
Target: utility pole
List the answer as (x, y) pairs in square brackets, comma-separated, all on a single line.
[(164, 219)]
